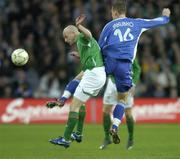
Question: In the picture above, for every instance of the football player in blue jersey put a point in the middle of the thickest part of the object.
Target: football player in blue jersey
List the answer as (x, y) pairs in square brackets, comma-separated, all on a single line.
[(118, 42)]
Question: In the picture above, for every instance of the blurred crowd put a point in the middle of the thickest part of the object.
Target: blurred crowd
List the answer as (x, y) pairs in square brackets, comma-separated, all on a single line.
[(37, 25)]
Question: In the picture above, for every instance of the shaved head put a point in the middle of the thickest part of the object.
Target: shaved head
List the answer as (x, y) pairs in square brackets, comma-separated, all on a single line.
[(70, 28), (70, 34)]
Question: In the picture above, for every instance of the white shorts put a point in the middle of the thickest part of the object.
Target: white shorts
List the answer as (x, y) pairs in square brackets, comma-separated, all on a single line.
[(110, 95), (91, 83)]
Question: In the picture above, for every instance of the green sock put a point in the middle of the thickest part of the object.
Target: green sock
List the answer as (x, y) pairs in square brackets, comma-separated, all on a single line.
[(106, 125), (130, 127), (71, 123), (80, 124)]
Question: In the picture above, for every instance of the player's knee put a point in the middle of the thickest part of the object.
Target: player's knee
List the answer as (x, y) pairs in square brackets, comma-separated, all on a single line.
[(107, 109), (128, 112), (75, 105), (123, 98), (74, 108)]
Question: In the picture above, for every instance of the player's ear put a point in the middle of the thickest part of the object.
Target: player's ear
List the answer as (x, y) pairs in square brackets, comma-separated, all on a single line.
[(112, 9), (74, 34)]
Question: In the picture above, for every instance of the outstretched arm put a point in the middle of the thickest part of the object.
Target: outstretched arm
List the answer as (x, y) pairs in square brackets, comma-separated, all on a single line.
[(81, 28), (151, 23)]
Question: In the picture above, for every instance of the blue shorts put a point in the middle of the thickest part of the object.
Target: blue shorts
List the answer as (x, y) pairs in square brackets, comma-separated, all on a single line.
[(121, 70)]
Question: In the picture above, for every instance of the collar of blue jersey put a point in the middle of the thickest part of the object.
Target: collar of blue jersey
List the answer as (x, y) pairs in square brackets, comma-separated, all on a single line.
[(118, 18)]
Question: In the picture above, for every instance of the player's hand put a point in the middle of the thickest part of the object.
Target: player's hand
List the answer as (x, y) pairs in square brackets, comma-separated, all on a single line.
[(166, 12), (75, 54), (80, 19)]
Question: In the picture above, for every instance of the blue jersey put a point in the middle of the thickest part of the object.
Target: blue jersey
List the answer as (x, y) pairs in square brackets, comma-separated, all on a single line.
[(119, 37)]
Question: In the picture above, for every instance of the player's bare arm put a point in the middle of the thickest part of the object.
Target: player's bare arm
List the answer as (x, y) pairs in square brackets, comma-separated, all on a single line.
[(81, 28), (75, 54)]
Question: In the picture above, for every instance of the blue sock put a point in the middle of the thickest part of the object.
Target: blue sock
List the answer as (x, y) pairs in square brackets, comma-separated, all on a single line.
[(72, 85), (117, 115), (69, 90)]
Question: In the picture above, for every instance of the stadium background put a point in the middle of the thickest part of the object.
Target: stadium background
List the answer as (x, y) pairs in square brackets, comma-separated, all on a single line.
[(37, 25)]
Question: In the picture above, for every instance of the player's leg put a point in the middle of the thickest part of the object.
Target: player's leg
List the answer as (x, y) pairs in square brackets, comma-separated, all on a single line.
[(69, 90), (109, 99), (130, 127), (118, 113), (130, 119), (123, 81), (107, 120), (106, 126), (80, 124), (82, 114), (90, 85), (71, 123), (78, 100), (73, 117)]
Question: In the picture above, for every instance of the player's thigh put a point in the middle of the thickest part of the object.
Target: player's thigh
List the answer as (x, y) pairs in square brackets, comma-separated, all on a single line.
[(110, 94), (110, 64), (130, 98), (94, 80), (90, 84), (123, 76), (123, 97)]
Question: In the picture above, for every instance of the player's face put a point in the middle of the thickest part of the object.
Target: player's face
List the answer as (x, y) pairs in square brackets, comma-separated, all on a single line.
[(69, 37)]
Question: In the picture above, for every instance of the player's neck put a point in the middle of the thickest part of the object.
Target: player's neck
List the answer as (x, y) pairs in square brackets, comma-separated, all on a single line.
[(119, 16), (77, 34)]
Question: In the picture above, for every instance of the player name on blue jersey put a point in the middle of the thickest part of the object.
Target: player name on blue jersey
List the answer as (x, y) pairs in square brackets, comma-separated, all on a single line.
[(125, 23)]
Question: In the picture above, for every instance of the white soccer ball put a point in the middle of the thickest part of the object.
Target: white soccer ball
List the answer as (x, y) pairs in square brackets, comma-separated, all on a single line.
[(19, 57)]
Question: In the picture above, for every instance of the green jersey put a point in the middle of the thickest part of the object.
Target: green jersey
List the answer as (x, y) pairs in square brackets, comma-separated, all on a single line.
[(136, 71), (89, 52)]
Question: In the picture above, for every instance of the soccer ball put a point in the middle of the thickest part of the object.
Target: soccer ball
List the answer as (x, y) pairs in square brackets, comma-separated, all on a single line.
[(19, 57)]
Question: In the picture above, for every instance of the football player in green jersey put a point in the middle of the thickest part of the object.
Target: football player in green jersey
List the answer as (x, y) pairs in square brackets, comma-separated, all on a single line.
[(93, 78), (110, 99)]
